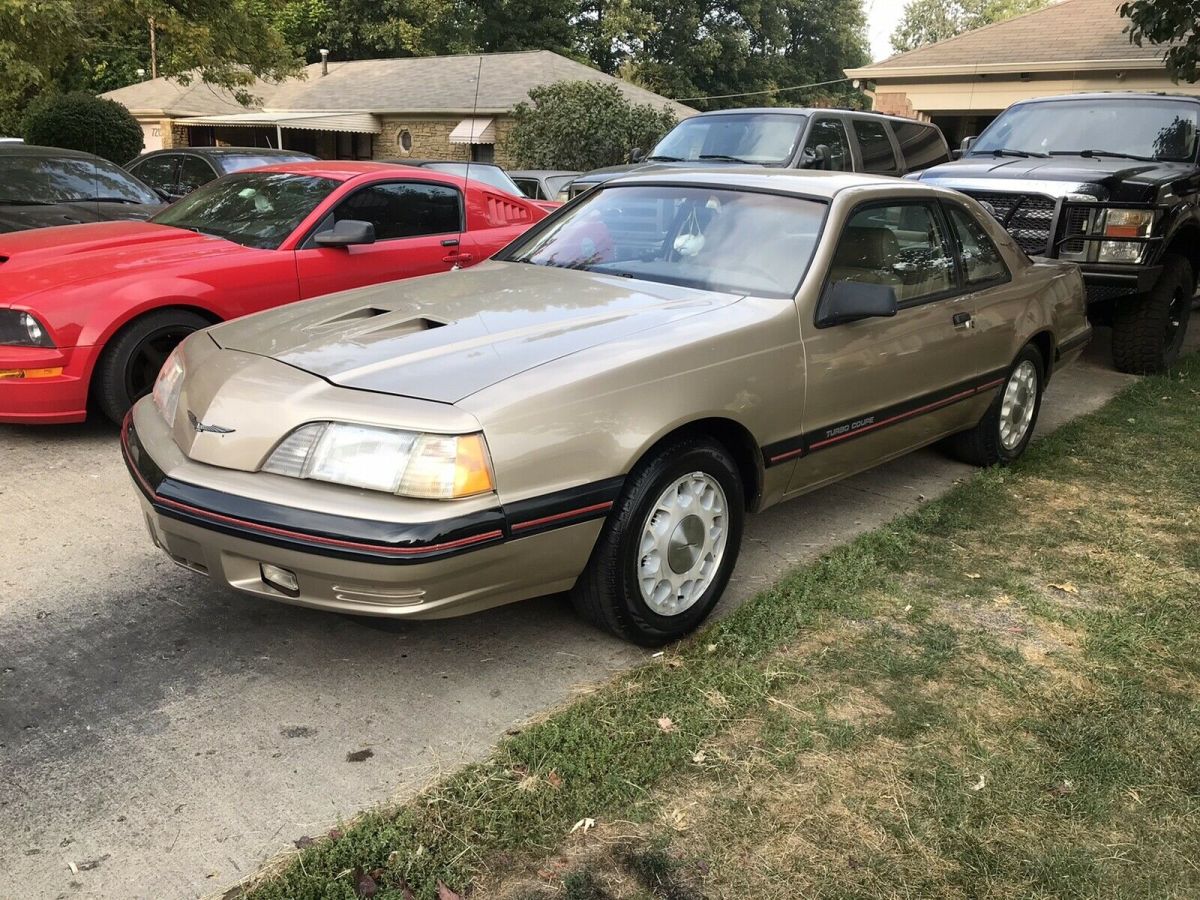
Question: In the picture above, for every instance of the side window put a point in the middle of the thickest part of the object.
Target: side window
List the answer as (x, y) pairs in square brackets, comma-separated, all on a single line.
[(981, 260), (400, 210), (902, 245), (875, 147), (529, 187), (193, 172), (157, 171), (921, 145), (832, 134)]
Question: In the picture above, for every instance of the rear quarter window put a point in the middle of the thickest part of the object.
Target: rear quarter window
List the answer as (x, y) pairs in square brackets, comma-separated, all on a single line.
[(875, 147), (921, 145)]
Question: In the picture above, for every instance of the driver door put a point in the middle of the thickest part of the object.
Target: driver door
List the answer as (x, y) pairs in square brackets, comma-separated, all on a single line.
[(417, 232), (880, 387)]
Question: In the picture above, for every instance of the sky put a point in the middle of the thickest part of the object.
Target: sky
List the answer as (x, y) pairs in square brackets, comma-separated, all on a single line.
[(882, 18)]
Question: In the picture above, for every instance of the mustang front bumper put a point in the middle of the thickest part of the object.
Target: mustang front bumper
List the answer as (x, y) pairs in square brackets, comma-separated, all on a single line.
[(424, 569), (36, 397)]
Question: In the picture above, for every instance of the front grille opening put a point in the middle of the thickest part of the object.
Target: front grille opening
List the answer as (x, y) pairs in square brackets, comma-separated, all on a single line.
[(1029, 218)]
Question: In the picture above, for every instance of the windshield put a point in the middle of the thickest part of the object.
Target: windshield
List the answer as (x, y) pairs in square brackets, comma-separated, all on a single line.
[(492, 175), (1144, 128), (717, 240), (255, 209), (236, 163), (765, 138), (47, 179)]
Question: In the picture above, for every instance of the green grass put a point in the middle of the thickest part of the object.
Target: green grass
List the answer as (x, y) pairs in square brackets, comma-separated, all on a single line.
[(919, 713)]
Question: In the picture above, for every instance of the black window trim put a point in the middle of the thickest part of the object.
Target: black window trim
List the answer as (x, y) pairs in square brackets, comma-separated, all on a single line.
[(935, 209), (976, 286), (308, 244)]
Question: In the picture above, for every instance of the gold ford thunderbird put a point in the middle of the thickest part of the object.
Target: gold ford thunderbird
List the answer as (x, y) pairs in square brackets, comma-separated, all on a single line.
[(596, 409)]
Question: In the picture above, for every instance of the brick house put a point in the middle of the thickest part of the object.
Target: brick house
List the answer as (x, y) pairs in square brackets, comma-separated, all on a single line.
[(962, 83), (426, 107)]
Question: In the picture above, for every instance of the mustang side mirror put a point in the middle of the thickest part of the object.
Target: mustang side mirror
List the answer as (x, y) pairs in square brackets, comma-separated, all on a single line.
[(849, 301), (636, 155), (817, 157), (347, 233)]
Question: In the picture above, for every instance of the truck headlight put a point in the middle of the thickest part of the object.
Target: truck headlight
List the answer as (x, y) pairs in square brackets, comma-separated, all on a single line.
[(1125, 223), (408, 463), (168, 385), (21, 329)]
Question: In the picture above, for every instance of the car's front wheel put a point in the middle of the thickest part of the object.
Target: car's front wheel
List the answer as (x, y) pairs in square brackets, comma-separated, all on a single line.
[(1006, 429), (130, 363), (666, 552), (1149, 330)]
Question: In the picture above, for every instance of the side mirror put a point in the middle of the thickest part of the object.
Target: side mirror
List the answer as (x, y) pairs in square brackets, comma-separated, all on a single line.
[(636, 155), (817, 157), (347, 233), (966, 144), (849, 301)]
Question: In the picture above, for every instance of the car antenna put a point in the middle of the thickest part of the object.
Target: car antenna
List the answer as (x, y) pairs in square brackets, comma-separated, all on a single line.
[(467, 169)]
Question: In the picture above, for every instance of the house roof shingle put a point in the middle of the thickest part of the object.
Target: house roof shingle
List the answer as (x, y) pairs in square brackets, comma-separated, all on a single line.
[(1085, 34), (442, 84)]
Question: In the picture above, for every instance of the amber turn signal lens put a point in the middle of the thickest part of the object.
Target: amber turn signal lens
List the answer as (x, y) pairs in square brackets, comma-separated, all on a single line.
[(31, 373), (472, 469)]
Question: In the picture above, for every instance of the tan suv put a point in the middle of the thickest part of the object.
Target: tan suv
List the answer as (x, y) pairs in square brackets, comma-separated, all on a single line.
[(596, 409)]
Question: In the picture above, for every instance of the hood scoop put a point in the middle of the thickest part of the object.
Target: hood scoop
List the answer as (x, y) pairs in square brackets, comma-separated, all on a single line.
[(344, 324)]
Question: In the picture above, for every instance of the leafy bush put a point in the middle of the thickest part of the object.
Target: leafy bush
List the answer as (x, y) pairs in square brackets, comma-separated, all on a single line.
[(582, 125), (79, 121)]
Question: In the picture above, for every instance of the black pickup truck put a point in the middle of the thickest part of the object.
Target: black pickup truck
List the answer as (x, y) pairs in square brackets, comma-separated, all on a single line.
[(1110, 181)]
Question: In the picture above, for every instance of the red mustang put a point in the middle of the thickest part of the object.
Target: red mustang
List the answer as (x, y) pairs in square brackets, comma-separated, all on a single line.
[(91, 311)]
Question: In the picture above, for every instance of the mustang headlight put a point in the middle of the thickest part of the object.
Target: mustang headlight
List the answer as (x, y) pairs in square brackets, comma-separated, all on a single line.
[(21, 329), (168, 385), (425, 466), (1125, 223)]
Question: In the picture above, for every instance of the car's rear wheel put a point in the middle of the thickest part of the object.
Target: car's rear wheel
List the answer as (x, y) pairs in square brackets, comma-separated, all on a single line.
[(669, 545), (130, 363), (1148, 330), (1006, 429)]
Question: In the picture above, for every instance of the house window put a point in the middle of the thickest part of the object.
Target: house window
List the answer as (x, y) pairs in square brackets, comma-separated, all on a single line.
[(353, 146), (404, 141), (483, 153)]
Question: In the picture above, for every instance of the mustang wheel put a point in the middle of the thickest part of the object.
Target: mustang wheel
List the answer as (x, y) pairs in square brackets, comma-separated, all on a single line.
[(130, 363), (1007, 427), (670, 543)]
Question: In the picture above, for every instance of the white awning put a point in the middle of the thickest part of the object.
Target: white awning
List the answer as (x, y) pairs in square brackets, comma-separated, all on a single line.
[(359, 123), (474, 131)]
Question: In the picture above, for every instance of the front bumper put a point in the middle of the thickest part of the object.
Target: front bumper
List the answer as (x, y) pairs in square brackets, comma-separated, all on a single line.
[(433, 569), (41, 400), (1104, 282)]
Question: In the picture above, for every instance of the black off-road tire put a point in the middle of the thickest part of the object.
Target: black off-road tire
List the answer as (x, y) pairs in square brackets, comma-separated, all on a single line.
[(130, 363), (607, 593), (982, 445), (1144, 338)]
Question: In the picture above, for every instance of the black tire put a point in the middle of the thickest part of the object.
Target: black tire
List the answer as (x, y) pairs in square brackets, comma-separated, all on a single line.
[(130, 363), (608, 593), (983, 445), (1148, 330)]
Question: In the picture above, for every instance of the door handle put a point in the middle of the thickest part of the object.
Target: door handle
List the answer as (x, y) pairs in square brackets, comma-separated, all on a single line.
[(457, 257), (963, 320)]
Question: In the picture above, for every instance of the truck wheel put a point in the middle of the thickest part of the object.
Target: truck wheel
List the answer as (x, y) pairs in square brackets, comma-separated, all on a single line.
[(130, 363), (670, 543), (1007, 427), (1148, 331)]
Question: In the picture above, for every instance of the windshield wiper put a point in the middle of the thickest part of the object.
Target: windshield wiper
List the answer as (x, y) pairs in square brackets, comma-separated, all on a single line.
[(724, 156), (1095, 154), (100, 200), (663, 159), (1024, 154), (13, 201)]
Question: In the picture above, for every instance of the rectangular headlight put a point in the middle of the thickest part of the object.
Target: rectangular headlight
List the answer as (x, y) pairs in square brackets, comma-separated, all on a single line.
[(168, 384), (1125, 223), (408, 463)]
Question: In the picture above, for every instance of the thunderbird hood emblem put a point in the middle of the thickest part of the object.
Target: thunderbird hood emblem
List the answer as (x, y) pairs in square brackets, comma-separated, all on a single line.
[(201, 427)]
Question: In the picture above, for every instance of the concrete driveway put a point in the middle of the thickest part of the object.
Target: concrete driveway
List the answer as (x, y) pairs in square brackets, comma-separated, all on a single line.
[(161, 738)]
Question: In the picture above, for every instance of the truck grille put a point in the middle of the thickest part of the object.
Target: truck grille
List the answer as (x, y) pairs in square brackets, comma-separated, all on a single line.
[(1029, 218)]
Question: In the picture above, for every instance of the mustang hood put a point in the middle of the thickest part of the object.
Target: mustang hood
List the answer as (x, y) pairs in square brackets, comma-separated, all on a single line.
[(445, 337)]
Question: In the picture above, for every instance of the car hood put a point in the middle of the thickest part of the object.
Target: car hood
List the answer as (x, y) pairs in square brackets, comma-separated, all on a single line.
[(444, 337), (52, 258), (20, 218), (1105, 178)]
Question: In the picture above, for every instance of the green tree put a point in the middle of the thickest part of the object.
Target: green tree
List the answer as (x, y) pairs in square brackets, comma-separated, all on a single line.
[(929, 21), (582, 125), (1171, 22), (80, 121)]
